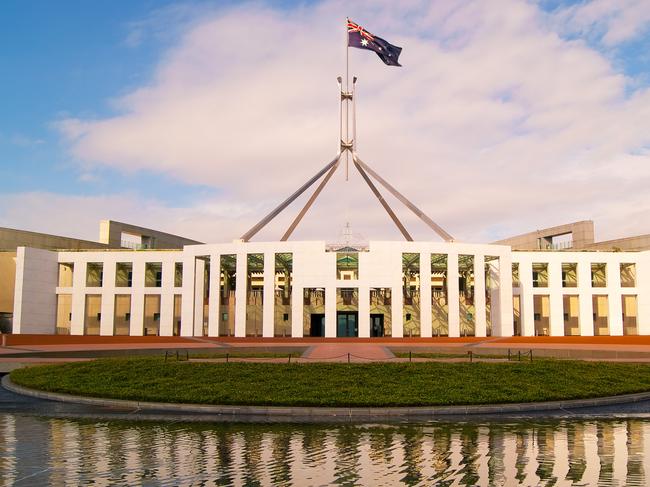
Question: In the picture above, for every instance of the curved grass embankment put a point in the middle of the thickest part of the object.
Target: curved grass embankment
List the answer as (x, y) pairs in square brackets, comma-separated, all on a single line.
[(343, 385)]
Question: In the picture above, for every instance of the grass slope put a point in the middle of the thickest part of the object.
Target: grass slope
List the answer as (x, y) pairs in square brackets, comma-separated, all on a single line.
[(379, 384)]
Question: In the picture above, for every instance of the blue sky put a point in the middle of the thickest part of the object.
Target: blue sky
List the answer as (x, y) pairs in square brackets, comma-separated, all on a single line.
[(78, 124), (73, 57)]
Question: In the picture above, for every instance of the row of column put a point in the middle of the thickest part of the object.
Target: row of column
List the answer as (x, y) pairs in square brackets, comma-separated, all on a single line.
[(556, 293), (193, 292)]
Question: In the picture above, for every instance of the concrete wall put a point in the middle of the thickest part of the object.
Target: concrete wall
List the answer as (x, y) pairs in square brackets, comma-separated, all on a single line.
[(35, 291), (640, 242), (11, 239), (583, 235), (110, 234)]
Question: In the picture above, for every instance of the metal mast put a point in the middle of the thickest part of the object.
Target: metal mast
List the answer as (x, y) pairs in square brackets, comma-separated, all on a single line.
[(347, 146)]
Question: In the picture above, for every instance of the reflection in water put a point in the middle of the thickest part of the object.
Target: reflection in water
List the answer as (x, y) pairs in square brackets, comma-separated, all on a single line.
[(38, 451)]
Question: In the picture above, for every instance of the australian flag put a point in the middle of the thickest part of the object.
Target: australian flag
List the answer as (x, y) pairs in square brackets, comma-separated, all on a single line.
[(361, 38)]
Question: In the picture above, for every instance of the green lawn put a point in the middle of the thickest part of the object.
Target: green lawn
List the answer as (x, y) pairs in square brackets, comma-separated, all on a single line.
[(378, 384)]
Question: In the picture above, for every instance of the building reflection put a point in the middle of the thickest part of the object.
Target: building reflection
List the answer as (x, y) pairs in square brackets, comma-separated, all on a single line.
[(37, 451)]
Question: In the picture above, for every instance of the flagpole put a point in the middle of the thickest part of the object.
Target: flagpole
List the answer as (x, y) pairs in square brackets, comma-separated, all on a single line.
[(347, 90)]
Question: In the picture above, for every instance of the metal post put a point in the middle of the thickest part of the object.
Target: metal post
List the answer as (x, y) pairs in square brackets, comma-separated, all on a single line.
[(348, 357), (347, 102), (354, 114), (248, 235), (410, 356)]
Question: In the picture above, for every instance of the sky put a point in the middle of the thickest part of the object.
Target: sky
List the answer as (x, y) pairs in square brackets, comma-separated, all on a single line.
[(197, 118)]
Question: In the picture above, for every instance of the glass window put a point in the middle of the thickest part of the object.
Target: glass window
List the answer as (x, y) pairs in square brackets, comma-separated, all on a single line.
[(94, 274), (515, 274), (153, 274), (570, 274), (347, 266), (598, 275), (628, 275), (124, 274), (178, 274), (540, 274), (66, 272)]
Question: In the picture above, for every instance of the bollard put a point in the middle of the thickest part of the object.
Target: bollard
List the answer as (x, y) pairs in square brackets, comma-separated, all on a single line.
[(470, 356), (187, 355), (531, 354), (348, 357), (227, 355), (410, 356), (165, 355), (508, 355), (519, 355), (289, 358), (177, 357)]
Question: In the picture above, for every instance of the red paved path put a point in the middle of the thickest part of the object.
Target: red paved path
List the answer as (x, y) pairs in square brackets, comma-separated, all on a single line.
[(371, 348)]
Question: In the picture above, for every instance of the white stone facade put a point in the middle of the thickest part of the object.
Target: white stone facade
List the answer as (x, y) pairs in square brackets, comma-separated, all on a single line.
[(380, 266)]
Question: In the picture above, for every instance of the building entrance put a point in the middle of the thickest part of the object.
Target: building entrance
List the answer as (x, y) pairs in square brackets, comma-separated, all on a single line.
[(376, 325), (317, 325), (347, 324)]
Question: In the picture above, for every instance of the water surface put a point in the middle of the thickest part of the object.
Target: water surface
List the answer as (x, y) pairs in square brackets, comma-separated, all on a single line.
[(42, 451)]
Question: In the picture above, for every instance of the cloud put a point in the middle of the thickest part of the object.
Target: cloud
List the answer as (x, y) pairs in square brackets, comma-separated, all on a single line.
[(614, 21), (496, 124)]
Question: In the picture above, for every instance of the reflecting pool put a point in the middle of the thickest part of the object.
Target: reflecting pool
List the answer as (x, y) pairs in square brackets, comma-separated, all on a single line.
[(46, 451)]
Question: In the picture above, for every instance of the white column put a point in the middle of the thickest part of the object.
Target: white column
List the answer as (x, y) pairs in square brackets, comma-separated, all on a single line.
[(78, 298), (479, 296), (187, 301), (426, 329), (555, 298), (107, 308), (136, 325), (215, 296), (526, 300), (330, 311), (199, 270), (453, 297), (297, 315), (615, 313), (585, 307), (642, 291), (268, 310), (364, 312), (240, 295), (167, 299), (397, 311), (503, 321)]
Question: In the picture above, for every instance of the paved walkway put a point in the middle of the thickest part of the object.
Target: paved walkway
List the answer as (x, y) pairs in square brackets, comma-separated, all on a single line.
[(344, 352), (627, 348)]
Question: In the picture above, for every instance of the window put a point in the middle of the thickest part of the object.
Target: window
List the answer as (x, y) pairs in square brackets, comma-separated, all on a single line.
[(598, 275), (124, 274), (66, 271), (515, 274), (628, 275), (570, 275), (94, 274), (540, 274), (178, 274), (347, 266), (153, 274)]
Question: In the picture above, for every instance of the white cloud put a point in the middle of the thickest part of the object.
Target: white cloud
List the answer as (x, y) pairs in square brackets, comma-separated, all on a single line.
[(495, 125), (615, 21)]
